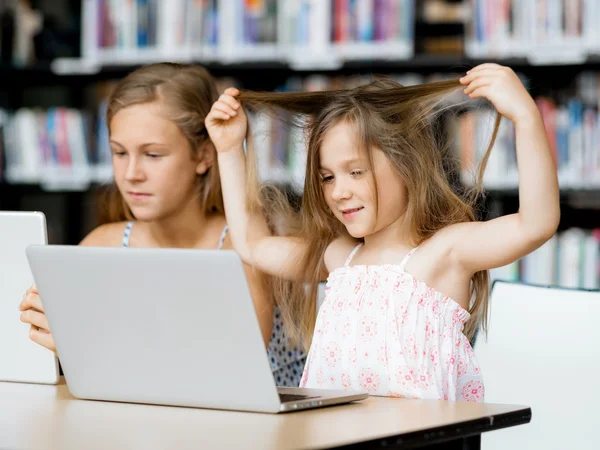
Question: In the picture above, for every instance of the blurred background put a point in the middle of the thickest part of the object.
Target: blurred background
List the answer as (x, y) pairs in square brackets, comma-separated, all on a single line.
[(60, 58)]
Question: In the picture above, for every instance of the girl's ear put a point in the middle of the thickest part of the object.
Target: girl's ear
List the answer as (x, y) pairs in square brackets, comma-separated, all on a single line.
[(206, 157)]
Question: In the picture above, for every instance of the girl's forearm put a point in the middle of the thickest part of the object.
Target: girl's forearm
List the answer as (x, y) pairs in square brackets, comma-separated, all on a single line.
[(242, 226), (539, 206)]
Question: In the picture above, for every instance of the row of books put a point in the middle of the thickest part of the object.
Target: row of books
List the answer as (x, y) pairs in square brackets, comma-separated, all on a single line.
[(572, 125), (573, 129), (35, 139), (542, 30), (574, 136), (52, 148), (570, 259), (303, 32)]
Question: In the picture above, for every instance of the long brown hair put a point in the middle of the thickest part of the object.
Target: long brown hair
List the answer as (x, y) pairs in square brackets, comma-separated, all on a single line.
[(400, 121), (187, 92)]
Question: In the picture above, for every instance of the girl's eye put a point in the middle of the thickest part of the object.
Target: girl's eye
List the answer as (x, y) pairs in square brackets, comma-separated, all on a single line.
[(154, 155), (327, 179), (356, 173), (119, 153)]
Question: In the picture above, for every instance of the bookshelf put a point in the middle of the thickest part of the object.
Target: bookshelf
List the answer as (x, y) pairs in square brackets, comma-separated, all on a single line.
[(292, 58)]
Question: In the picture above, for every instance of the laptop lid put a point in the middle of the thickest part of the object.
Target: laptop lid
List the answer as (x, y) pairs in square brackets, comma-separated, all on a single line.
[(161, 326), (21, 359)]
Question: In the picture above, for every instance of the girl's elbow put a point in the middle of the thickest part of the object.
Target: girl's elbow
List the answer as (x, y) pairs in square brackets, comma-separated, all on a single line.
[(552, 224), (244, 252), (247, 256), (544, 230)]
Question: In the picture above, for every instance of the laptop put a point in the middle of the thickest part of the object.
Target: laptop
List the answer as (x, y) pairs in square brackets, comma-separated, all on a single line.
[(162, 326), (21, 359)]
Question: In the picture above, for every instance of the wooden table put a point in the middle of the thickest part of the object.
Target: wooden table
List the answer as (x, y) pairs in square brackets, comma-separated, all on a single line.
[(47, 417)]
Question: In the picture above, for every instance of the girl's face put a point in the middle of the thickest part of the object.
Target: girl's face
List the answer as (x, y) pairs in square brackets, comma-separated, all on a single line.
[(154, 167), (350, 183)]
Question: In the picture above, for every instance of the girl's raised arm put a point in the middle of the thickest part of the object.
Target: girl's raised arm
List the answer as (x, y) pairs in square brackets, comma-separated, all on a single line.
[(484, 245), (279, 256)]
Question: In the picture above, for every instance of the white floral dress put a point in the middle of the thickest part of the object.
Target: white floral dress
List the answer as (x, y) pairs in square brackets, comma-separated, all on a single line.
[(381, 330)]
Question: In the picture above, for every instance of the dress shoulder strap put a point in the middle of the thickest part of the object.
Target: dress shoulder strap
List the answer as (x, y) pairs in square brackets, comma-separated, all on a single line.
[(127, 233), (222, 238), (352, 253), (407, 257)]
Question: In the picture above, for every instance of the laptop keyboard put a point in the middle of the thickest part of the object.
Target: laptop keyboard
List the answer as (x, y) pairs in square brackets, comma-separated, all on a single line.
[(284, 398)]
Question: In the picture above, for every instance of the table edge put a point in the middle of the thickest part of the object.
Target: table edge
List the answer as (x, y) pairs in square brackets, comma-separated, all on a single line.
[(445, 433)]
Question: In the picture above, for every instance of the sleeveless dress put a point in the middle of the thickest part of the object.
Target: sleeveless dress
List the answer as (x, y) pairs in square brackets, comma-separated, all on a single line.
[(287, 362), (381, 330)]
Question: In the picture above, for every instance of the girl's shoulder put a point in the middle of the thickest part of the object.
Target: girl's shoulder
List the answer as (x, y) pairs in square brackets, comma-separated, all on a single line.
[(338, 250), (107, 235)]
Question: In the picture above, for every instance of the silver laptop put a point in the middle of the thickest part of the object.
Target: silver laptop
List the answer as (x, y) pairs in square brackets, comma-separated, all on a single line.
[(21, 359), (162, 326)]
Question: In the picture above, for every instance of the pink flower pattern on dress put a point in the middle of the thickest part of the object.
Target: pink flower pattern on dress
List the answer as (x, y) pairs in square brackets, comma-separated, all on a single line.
[(394, 327), (413, 379), (352, 356), (425, 299), (384, 303), (347, 329), (469, 350), (346, 382), (339, 306), (430, 331), (410, 347), (382, 354), (381, 330), (369, 380), (324, 325), (399, 285), (473, 391), (434, 357), (332, 354), (462, 367), (368, 328), (435, 308), (320, 378), (451, 361)]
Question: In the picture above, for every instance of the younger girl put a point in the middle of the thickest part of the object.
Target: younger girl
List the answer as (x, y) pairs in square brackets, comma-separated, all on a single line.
[(406, 261), (168, 192)]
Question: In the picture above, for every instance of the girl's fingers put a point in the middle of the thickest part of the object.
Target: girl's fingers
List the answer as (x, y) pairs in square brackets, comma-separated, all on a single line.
[(226, 108), (31, 301), (480, 92), (484, 66), (35, 318), (232, 91), (220, 115), (487, 73), (480, 82), (32, 290), (42, 338), (229, 100)]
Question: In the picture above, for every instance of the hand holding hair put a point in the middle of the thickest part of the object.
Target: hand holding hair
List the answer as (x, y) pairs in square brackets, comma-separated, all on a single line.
[(501, 86), (226, 122)]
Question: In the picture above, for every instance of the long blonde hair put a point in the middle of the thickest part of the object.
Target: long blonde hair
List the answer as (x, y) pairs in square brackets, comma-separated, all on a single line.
[(187, 92), (400, 122)]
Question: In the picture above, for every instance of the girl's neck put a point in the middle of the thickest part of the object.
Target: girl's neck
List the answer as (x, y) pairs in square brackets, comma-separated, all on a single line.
[(191, 227), (395, 236)]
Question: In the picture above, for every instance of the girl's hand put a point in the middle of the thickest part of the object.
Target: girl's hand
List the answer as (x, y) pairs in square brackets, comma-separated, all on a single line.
[(501, 86), (33, 314), (226, 122)]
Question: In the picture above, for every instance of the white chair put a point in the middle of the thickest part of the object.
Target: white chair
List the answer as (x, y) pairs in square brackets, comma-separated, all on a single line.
[(543, 351)]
